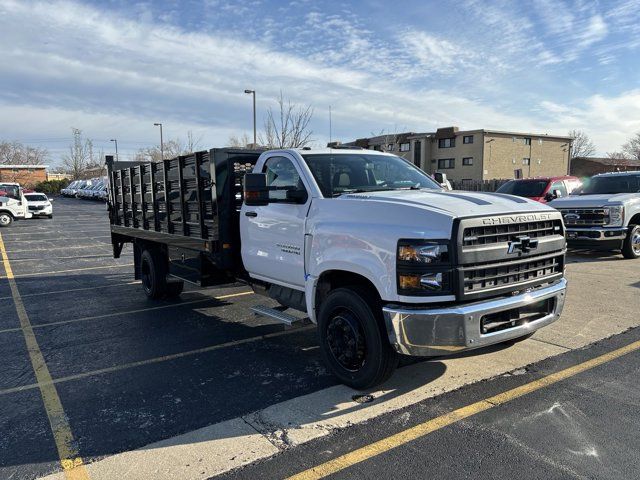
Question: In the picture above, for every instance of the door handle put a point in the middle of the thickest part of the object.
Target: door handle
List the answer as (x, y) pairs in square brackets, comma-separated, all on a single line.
[(251, 214)]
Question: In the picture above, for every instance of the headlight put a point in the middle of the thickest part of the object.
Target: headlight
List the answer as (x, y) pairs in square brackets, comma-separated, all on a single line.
[(423, 268), (425, 252), (616, 215)]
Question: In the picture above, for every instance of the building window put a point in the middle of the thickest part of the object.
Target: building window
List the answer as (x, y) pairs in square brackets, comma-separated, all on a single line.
[(526, 161), (447, 142), (405, 147), (517, 174), (390, 147), (467, 139), (467, 161), (526, 141), (446, 163)]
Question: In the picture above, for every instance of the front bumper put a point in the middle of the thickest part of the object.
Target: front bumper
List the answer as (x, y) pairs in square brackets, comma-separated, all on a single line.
[(596, 234), (444, 331)]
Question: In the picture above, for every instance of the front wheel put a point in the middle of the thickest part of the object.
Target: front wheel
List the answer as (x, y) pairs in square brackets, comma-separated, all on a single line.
[(631, 247), (353, 338), (5, 219)]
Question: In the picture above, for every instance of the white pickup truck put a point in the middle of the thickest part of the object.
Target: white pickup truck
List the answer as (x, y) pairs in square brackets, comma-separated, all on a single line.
[(377, 254), (13, 204), (604, 213)]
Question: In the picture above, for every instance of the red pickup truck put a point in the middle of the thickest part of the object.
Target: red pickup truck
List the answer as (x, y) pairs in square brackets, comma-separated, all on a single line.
[(541, 189)]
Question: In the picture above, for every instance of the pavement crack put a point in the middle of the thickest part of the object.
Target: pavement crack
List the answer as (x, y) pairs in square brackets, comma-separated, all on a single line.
[(275, 434), (553, 344)]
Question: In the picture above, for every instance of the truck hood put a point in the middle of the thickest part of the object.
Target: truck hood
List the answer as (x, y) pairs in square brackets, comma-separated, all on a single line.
[(593, 201), (454, 204)]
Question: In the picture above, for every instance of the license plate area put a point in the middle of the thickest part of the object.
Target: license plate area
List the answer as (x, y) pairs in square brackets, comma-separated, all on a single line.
[(515, 317)]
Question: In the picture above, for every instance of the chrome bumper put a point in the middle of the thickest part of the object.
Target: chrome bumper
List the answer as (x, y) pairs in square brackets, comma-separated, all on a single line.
[(445, 331), (596, 234)]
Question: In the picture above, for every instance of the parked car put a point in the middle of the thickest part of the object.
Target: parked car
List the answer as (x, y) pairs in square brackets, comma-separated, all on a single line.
[(605, 213), (541, 189), (39, 204), (71, 189)]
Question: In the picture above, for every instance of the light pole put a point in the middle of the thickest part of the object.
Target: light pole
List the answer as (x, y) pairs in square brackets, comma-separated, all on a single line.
[(161, 143), (253, 92), (115, 140)]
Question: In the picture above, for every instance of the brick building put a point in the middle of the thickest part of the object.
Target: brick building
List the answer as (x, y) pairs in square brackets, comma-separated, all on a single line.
[(478, 154), (588, 166), (26, 175)]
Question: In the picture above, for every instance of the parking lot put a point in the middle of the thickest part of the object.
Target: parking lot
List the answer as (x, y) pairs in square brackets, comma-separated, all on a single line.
[(89, 368)]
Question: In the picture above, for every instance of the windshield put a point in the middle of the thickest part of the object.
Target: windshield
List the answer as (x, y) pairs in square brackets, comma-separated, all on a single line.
[(524, 188), (357, 172), (10, 191), (612, 184), (36, 198)]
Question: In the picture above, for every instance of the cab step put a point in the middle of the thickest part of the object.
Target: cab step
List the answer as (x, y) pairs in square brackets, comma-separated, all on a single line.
[(276, 314)]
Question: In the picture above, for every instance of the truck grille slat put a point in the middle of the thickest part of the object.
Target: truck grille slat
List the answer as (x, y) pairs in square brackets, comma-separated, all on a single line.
[(486, 235), (505, 274)]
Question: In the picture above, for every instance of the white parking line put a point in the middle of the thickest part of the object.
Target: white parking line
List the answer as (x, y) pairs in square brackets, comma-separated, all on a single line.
[(70, 290), (102, 267)]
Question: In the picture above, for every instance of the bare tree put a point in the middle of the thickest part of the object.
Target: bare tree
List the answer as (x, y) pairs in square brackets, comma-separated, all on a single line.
[(581, 146), (240, 142), (289, 126), (617, 155), (80, 153), (632, 148), (172, 148), (16, 153)]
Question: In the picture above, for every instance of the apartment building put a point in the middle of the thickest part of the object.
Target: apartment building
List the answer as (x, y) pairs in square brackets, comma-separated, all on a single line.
[(478, 154)]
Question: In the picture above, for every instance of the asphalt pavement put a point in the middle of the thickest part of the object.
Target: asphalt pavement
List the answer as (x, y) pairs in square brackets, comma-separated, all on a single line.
[(94, 373), (585, 426)]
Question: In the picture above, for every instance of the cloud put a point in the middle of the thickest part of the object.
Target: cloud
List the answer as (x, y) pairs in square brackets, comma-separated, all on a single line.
[(434, 54)]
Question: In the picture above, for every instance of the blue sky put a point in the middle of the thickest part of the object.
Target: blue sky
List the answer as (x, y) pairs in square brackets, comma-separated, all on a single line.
[(113, 68)]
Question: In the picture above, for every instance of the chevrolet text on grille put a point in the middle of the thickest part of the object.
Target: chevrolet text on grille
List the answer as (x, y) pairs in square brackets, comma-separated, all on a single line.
[(516, 219)]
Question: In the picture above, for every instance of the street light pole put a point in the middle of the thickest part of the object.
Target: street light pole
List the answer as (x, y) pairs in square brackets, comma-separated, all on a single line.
[(161, 142), (115, 140), (253, 92)]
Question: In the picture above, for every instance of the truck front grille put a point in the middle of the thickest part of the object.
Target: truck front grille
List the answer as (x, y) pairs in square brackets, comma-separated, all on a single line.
[(585, 216), (495, 276), (486, 235)]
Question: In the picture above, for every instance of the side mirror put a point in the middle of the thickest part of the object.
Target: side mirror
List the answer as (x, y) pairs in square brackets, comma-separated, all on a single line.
[(549, 196), (297, 196), (256, 193)]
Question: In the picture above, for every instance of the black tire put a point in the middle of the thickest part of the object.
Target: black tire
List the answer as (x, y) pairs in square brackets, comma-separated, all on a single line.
[(631, 246), (353, 338), (5, 219), (174, 289), (50, 216), (153, 273)]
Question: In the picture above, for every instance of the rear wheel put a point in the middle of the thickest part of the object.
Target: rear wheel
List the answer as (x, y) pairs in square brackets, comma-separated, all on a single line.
[(353, 338), (5, 219), (631, 246), (153, 274)]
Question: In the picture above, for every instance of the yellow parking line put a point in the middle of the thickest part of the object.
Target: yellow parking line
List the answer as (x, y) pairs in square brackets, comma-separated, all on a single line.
[(129, 312), (165, 358), (70, 270), (67, 451), (382, 446)]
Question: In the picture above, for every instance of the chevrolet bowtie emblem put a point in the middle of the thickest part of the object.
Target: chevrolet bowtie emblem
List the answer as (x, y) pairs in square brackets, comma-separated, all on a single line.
[(523, 243)]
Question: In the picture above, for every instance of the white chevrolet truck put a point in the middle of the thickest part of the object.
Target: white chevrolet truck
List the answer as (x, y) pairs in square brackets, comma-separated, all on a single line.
[(604, 213), (13, 204), (378, 255)]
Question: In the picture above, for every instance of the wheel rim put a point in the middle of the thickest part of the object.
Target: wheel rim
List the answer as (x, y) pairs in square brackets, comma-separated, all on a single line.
[(346, 340), (635, 241), (5, 220), (145, 276)]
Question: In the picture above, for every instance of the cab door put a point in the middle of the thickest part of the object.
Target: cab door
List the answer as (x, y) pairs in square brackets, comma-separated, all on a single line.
[(273, 235)]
